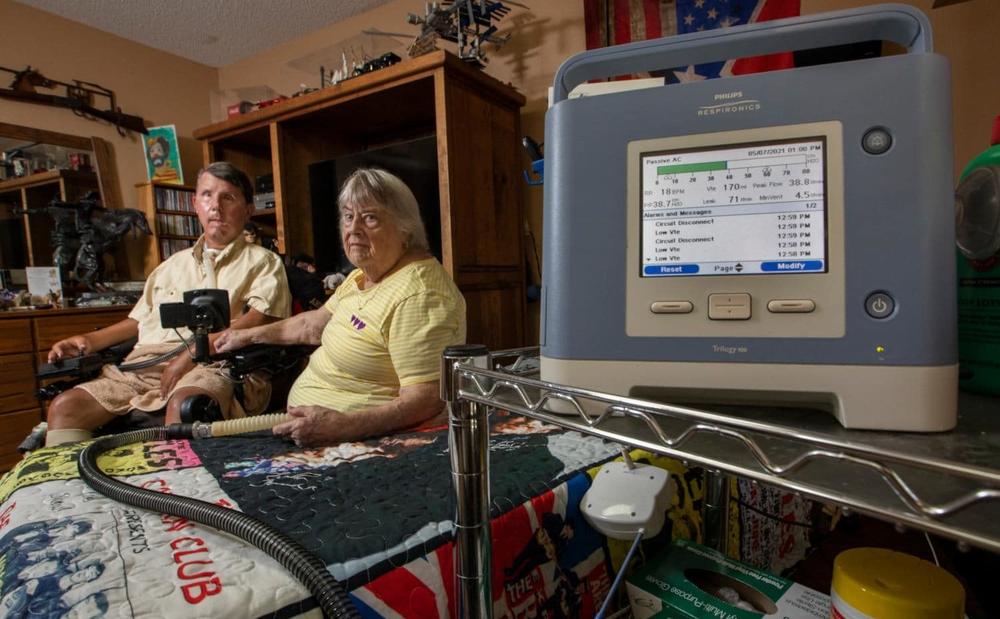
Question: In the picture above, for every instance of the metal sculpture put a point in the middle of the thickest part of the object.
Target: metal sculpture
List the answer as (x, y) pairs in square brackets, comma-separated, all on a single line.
[(467, 23), (84, 231), (79, 97)]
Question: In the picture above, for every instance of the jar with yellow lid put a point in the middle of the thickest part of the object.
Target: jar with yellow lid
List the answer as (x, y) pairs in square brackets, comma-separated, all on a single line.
[(875, 583)]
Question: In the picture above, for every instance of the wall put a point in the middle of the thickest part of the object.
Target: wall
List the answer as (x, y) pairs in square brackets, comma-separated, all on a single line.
[(966, 33), (161, 88), (549, 32)]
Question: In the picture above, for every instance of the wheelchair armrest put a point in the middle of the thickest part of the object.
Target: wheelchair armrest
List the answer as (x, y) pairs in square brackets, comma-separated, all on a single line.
[(85, 366), (77, 367), (264, 357)]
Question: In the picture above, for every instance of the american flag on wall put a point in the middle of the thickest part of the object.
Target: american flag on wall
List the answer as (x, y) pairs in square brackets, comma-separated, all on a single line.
[(613, 22)]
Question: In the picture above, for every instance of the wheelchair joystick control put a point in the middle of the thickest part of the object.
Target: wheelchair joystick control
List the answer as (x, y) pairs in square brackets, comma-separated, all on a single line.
[(203, 311)]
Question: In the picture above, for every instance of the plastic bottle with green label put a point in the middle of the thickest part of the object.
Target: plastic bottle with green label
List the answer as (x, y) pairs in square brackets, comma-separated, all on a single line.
[(977, 228)]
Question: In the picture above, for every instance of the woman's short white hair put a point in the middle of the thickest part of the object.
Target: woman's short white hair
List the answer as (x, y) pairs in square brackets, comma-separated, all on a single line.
[(374, 186)]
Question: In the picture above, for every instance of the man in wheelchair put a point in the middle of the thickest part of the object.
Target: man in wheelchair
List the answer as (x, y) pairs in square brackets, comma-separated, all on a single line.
[(161, 373)]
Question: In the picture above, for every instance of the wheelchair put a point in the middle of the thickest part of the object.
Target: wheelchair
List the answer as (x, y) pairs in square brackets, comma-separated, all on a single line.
[(203, 311), (282, 364)]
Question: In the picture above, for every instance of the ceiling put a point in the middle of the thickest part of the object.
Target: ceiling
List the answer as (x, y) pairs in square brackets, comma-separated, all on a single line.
[(213, 32)]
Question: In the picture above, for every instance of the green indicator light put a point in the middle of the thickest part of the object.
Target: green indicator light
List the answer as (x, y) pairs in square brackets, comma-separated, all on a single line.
[(681, 168), (880, 349)]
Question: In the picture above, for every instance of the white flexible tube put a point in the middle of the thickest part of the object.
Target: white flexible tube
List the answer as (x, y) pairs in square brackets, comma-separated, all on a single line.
[(247, 424)]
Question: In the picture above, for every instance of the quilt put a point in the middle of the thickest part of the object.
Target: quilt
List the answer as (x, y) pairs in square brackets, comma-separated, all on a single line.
[(378, 513)]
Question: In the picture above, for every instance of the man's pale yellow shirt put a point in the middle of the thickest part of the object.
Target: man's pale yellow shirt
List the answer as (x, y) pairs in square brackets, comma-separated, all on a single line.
[(253, 276), (383, 338)]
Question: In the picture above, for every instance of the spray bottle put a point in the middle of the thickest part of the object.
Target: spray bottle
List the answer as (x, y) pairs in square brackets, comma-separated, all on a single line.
[(977, 229)]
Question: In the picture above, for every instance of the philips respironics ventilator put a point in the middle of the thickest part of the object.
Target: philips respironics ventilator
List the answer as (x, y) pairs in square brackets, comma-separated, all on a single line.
[(775, 238)]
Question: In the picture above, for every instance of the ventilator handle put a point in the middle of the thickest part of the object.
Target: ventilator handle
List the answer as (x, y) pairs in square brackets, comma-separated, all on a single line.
[(899, 23)]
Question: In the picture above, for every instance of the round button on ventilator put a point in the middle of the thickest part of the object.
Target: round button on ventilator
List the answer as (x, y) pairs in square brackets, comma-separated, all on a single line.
[(876, 141), (879, 305)]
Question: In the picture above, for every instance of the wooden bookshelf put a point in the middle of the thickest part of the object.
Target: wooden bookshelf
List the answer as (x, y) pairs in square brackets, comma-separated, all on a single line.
[(473, 123), (30, 242), (169, 209)]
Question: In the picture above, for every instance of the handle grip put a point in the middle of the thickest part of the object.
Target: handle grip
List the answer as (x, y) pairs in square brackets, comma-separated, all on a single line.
[(899, 23)]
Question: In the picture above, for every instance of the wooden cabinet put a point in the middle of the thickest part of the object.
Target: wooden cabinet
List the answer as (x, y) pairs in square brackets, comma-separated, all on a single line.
[(25, 239), (169, 209), (431, 115), (25, 337)]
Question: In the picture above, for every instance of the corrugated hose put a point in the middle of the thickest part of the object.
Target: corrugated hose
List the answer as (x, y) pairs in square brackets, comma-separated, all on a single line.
[(303, 564)]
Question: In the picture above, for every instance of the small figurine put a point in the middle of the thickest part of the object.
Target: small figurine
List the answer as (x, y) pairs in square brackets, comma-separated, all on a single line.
[(251, 233)]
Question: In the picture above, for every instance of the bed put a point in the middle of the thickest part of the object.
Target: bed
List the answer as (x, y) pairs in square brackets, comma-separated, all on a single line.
[(378, 513)]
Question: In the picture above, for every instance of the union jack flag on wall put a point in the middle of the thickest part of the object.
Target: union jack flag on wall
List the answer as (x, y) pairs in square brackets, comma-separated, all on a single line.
[(613, 22)]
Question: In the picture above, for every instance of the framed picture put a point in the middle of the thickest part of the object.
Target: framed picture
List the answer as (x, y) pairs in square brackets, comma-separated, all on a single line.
[(163, 159), (44, 284)]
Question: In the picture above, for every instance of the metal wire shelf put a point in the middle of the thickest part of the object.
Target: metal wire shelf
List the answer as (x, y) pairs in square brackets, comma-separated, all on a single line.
[(946, 483)]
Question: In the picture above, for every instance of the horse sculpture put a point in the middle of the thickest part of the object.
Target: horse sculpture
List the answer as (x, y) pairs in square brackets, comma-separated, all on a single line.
[(106, 229), (84, 231)]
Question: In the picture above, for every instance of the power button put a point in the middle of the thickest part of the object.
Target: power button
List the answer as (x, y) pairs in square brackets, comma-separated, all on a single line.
[(879, 305), (876, 141)]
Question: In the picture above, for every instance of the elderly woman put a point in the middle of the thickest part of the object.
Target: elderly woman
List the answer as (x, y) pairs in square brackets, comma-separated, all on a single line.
[(381, 334)]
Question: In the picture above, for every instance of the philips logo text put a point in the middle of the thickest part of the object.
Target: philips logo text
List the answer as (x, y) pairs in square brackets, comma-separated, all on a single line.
[(729, 103)]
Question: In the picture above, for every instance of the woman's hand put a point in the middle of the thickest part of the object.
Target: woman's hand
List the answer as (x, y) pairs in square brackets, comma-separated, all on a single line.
[(232, 339), (70, 347), (312, 426), (178, 367)]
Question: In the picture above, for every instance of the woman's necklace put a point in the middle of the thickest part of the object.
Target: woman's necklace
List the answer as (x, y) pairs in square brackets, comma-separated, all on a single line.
[(365, 293)]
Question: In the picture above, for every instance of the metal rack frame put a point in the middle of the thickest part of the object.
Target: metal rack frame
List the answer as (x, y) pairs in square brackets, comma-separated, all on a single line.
[(946, 483)]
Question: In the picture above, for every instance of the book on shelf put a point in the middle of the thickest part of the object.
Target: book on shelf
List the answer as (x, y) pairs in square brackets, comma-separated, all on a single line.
[(168, 199), (178, 225), (168, 247)]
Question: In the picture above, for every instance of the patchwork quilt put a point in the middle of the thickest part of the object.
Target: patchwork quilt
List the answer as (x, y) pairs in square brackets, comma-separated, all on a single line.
[(378, 513)]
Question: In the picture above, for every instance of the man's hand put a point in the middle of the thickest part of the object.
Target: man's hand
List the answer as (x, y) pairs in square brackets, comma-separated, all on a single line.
[(70, 347), (94, 340), (314, 426), (232, 339), (181, 365)]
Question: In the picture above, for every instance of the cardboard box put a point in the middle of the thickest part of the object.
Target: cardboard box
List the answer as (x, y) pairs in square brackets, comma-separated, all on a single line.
[(682, 583)]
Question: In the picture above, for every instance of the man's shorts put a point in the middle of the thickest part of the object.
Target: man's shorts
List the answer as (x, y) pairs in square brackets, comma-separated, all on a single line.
[(119, 392)]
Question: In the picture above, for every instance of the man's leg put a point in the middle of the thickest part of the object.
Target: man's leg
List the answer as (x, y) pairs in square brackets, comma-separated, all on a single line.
[(72, 416)]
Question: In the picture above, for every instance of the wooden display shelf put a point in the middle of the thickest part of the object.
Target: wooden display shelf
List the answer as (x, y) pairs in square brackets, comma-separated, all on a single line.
[(36, 191), (173, 212), (472, 122), (52, 176)]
